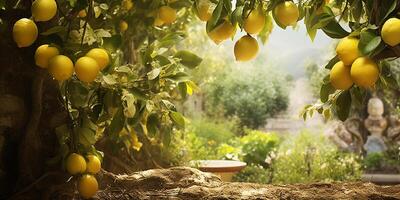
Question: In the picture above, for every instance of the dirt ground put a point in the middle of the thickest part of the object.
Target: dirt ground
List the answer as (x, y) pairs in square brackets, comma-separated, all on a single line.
[(187, 183)]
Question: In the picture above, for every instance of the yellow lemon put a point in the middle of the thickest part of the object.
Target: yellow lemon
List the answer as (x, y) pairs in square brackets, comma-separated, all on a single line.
[(101, 57), (25, 32), (286, 13), (347, 50), (61, 67), (246, 48), (87, 186), (43, 54), (391, 32), (222, 32), (340, 76), (86, 69), (255, 22), (127, 4), (364, 72), (204, 11), (167, 14), (93, 165), (75, 164), (82, 13), (43, 10), (123, 26)]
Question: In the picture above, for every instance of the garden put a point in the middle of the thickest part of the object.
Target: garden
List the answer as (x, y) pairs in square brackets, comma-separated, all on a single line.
[(199, 99)]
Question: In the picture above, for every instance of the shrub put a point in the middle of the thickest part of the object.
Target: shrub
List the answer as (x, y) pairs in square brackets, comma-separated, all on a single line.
[(252, 94), (257, 145), (312, 157), (253, 174)]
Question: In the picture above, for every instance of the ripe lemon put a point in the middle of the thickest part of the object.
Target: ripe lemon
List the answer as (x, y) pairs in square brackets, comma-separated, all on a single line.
[(87, 186), (391, 32), (246, 48), (101, 57), (127, 4), (93, 165), (43, 10), (364, 72), (222, 32), (347, 50), (86, 69), (167, 14), (82, 13), (61, 67), (286, 13), (75, 164), (25, 32), (340, 76), (123, 26), (204, 11), (255, 22), (43, 54)]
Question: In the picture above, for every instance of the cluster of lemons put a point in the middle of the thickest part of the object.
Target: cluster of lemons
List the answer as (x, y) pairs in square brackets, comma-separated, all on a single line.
[(25, 33), (356, 69), (246, 48), (87, 183)]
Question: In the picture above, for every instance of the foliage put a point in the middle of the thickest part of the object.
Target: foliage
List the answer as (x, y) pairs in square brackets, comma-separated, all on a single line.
[(311, 157), (253, 174), (257, 146), (315, 75), (383, 162), (252, 94)]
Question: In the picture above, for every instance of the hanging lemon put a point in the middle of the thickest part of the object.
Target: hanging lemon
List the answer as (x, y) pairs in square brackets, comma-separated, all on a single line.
[(61, 67), (43, 10), (255, 22), (43, 54), (167, 14), (286, 13), (101, 57), (246, 48), (340, 76), (25, 32), (87, 186), (86, 69), (75, 164)]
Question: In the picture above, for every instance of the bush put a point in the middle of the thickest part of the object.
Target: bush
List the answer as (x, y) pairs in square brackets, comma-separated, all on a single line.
[(312, 157), (253, 174), (257, 145), (252, 94)]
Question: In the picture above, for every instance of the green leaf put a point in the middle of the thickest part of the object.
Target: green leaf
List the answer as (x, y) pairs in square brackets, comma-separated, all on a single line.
[(153, 74), (178, 119), (326, 90), (268, 27), (63, 134), (334, 30), (179, 77), (78, 94), (213, 22), (86, 136), (369, 41), (117, 123), (182, 87), (152, 125), (332, 62), (343, 105), (188, 59)]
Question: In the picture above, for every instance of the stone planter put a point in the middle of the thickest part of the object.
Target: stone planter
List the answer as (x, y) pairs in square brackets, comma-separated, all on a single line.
[(382, 179), (225, 169)]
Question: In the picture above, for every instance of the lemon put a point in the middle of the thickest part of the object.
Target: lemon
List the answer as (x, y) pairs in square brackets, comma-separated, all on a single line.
[(87, 186), (61, 67), (255, 22), (82, 13), (222, 32), (123, 26), (127, 4), (75, 164), (204, 11), (86, 69), (364, 72), (43, 10), (246, 48), (93, 165), (101, 57), (25, 32), (347, 50), (167, 14), (43, 54), (391, 32), (340, 76), (286, 13)]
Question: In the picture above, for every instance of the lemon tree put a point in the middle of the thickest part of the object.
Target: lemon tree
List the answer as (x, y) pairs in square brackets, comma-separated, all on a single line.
[(119, 69)]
